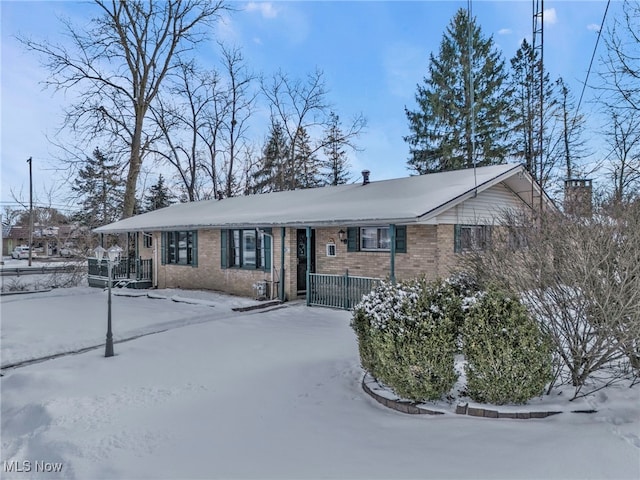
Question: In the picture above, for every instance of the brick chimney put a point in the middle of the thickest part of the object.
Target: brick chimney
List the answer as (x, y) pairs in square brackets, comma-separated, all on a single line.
[(365, 177), (578, 197)]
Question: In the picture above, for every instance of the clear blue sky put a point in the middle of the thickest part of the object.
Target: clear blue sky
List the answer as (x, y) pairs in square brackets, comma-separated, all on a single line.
[(373, 55)]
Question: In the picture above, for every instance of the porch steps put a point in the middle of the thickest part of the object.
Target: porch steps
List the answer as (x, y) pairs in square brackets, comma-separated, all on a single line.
[(258, 306)]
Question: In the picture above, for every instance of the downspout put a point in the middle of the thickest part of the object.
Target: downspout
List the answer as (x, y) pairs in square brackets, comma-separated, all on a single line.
[(272, 267), (128, 250), (308, 292), (283, 232), (137, 249), (392, 233), (155, 262)]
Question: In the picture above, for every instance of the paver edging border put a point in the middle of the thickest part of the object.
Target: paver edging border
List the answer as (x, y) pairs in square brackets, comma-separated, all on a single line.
[(414, 408), (489, 413), (25, 292), (398, 405)]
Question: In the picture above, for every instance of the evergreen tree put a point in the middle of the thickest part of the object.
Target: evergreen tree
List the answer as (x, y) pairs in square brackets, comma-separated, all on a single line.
[(272, 172), (337, 163), (526, 131), (159, 196), (100, 189), (307, 166), (461, 119)]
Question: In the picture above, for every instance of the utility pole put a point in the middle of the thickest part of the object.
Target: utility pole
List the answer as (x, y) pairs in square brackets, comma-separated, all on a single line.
[(30, 211)]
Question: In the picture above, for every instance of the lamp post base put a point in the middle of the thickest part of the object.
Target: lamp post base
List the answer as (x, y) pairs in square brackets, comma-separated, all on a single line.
[(108, 349)]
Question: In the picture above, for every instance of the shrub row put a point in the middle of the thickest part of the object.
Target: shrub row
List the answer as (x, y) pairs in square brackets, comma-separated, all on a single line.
[(408, 332)]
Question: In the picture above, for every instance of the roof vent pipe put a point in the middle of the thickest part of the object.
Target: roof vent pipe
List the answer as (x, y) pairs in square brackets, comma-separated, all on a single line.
[(365, 177)]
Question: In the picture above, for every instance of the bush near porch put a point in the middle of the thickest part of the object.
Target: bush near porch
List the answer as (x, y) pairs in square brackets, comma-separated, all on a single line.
[(408, 335)]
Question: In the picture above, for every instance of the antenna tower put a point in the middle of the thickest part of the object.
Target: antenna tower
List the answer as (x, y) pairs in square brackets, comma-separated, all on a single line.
[(538, 79)]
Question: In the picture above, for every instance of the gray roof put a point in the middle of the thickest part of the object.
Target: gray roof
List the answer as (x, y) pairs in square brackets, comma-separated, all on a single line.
[(402, 201)]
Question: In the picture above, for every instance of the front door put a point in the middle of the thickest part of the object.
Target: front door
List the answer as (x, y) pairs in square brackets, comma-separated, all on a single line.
[(301, 253)]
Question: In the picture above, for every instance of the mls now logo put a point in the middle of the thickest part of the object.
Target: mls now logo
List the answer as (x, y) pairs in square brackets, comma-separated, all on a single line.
[(27, 466)]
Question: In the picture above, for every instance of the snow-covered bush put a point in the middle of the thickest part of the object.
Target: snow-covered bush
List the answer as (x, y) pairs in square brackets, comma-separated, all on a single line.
[(457, 294), (406, 338), (509, 358)]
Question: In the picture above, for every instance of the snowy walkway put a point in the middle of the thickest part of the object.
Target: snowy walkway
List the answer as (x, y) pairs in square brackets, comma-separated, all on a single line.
[(269, 395)]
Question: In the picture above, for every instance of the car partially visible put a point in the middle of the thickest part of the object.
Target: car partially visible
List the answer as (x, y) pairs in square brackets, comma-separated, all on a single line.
[(67, 252), (20, 253)]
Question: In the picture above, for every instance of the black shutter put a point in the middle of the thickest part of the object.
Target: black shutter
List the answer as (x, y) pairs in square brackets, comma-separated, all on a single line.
[(163, 247), (401, 239), (353, 239), (194, 251), (224, 252), (457, 239), (266, 246)]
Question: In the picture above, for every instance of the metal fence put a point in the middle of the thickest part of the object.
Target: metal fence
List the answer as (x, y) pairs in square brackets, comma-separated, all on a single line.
[(134, 269), (338, 291)]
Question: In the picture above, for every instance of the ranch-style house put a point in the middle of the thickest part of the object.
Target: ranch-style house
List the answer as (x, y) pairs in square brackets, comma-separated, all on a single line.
[(323, 241)]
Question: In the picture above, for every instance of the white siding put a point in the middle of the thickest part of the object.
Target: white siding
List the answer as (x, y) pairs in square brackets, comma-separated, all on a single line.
[(485, 209)]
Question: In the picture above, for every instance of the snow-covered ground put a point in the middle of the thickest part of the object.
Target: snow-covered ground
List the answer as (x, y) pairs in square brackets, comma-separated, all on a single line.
[(275, 394)]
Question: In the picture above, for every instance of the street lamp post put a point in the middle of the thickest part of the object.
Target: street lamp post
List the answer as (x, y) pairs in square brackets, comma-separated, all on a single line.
[(113, 258)]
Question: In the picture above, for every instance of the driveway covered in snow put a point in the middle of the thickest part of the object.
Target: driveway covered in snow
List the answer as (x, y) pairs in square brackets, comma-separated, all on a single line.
[(257, 395)]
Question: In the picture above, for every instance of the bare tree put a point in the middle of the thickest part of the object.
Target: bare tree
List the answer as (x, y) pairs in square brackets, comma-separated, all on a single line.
[(203, 117), (571, 139), (623, 135), (117, 66), (10, 216), (210, 129), (240, 100), (298, 106), (622, 58), (619, 96), (581, 279), (177, 115)]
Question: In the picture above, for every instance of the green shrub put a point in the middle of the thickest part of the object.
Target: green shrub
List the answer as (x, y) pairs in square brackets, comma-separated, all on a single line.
[(406, 338), (509, 359)]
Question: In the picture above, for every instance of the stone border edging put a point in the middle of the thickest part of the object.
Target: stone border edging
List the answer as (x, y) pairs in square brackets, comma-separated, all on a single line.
[(25, 292), (486, 413), (413, 408), (399, 405)]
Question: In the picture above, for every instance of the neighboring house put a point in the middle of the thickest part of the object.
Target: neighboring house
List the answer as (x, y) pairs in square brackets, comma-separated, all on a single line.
[(46, 241), (13, 237), (399, 229)]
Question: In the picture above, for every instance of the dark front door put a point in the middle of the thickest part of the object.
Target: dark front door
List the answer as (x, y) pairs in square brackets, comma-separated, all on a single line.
[(302, 255)]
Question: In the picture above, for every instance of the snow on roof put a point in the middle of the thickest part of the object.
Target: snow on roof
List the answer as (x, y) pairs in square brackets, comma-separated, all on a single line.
[(402, 200)]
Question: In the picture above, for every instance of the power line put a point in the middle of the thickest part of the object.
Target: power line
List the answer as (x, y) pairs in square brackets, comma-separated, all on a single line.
[(593, 55), (584, 85)]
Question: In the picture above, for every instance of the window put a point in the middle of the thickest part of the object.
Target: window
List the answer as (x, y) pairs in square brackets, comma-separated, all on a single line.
[(517, 238), (180, 248), (469, 238), (245, 248), (147, 240), (375, 238), (331, 249), (371, 239)]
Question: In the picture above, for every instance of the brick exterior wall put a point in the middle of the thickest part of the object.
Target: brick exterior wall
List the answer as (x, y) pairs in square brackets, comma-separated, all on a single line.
[(429, 252)]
